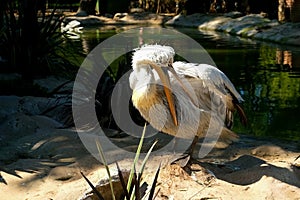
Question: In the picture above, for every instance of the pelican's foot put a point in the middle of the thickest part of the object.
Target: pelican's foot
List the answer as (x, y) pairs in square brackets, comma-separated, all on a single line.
[(181, 160)]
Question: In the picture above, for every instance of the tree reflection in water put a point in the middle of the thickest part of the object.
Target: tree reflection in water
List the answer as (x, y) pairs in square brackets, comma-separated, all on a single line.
[(271, 87)]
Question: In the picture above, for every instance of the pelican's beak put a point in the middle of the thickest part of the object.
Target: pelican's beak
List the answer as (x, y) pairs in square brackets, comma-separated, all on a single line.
[(167, 87), (192, 97)]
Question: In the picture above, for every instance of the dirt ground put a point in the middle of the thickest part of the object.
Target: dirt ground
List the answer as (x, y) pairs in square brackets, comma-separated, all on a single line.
[(248, 169)]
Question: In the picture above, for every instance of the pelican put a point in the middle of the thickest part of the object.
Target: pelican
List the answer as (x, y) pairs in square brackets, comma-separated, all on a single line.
[(183, 99)]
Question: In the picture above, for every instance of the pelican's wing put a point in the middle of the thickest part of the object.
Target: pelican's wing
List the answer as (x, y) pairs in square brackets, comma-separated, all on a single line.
[(208, 73)]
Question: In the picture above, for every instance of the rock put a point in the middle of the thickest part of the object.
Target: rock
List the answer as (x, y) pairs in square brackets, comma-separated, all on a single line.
[(234, 14), (242, 25), (136, 10), (119, 15), (30, 105), (81, 13), (72, 29), (57, 108), (51, 83), (255, 26), (287, 33), (268, 150), (8, 106), (215, 24), (104, 188), (193, 20), (18, 125), (9, 76)]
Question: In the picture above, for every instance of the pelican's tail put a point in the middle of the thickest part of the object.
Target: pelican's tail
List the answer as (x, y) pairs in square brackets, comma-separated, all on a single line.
[(242, 114)]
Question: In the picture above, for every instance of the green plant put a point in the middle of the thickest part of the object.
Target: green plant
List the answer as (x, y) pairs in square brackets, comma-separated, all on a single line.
[(104, 91), (133, 190), (31, 40)]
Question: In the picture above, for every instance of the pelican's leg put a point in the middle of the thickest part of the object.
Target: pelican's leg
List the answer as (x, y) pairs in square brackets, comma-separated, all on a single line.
[(191, 149), (186, 157)]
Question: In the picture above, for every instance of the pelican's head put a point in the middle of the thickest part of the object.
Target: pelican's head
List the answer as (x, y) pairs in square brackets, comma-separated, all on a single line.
[(144, 60), (159, 54)]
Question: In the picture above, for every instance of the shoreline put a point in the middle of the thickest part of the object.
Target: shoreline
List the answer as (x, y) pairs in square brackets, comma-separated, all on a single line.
[(253, 26)]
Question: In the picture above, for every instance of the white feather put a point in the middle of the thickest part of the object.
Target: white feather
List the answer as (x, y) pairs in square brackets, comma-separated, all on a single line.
[(155, 53), (209, 74)]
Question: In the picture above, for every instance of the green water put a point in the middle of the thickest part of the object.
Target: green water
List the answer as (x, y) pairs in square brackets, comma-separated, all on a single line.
[(266, 74)]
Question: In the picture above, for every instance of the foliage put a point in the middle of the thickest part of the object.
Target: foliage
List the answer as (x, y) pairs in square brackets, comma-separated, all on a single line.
[(31, 40), (133, 189), (70, 5), (161, 6), (104, 91)]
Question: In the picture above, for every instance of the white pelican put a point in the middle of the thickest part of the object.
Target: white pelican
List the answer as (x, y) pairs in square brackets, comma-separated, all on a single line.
[(183, 99)]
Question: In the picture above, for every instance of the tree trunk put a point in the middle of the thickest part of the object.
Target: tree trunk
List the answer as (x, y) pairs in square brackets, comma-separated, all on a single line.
[(30, 29), (295, 11), (158, 7), (103, 6), (281, 10), (87, 7)]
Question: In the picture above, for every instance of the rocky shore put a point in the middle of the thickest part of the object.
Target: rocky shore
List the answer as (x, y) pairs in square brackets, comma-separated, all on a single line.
[(255, 26)]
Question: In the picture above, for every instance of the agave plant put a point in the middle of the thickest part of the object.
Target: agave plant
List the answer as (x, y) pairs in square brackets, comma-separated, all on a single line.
[(132, 189)]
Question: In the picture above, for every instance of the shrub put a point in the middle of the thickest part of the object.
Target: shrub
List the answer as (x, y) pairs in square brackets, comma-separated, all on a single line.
[(31, 40)]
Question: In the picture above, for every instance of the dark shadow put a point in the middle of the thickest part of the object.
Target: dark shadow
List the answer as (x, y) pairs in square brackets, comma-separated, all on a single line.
[(248, 169), (2, 180), (41, 152), (237, 165)]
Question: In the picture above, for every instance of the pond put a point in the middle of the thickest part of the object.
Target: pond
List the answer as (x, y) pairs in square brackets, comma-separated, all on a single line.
[(267, 75)]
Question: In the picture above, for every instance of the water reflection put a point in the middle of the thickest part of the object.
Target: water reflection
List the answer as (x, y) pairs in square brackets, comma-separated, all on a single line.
[(284, 58), (273, 93), (267, 75), (268, 78)]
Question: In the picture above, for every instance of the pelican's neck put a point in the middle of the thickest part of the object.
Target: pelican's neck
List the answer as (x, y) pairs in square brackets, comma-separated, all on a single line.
[(145, 89), (145, 95)]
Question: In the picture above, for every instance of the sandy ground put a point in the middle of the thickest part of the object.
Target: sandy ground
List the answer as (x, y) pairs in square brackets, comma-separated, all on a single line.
[(248, 169)]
